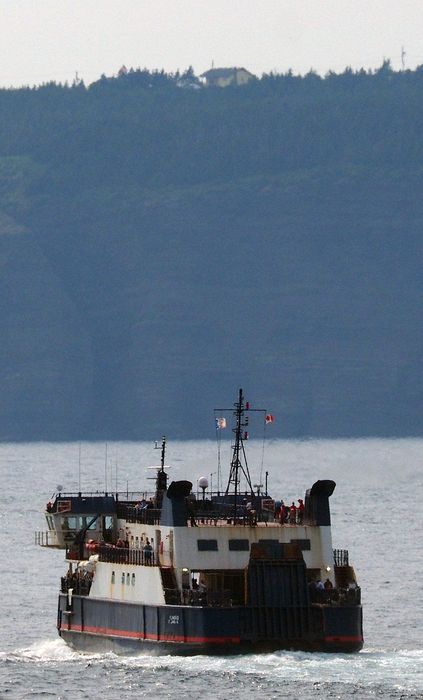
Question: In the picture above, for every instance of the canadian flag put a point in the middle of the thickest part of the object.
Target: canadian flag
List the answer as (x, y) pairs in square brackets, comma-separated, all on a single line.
[(269, 418)]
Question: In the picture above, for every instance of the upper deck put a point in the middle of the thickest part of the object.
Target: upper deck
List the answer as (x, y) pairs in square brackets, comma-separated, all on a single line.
[(76, 519)]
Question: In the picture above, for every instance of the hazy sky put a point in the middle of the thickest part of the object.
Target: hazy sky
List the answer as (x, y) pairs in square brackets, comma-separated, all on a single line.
[(45, 40)]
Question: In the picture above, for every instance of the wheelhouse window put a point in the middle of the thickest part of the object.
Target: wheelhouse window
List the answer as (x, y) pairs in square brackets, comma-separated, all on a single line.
[(239, 545), (69, 523), (85, 519), (207, 545)]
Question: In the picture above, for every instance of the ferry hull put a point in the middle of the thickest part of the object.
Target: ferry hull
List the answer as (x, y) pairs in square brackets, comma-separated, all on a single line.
[(103, 625)]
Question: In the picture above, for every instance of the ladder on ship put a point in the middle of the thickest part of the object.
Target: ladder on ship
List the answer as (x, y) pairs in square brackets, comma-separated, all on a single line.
[(170, 586)]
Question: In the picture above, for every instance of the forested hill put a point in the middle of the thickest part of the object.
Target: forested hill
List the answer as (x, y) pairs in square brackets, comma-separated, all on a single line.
[(161, 246)]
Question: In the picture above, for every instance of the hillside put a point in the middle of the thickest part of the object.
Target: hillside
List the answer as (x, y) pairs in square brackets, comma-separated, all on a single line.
[(161, 247)]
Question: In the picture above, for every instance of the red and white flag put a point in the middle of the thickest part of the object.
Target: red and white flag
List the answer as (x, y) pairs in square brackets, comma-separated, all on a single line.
[(220, 423), (269, 418)]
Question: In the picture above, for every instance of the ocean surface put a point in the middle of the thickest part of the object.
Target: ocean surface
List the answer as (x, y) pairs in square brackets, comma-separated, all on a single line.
[(377, 514)]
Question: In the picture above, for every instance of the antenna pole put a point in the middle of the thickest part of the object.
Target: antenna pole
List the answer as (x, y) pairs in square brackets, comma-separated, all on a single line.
[(161, 479), (105, 468), (162, 461), (116, 471), (235, 459), (79, 469), (238, 449)]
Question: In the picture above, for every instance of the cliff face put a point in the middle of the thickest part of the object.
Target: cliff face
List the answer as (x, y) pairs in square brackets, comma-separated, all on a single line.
[(45, 353), (131, 309)]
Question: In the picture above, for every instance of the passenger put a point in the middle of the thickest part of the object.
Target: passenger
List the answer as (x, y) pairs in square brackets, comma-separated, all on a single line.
[(194, 584), (293, 513), (148, 553), (320, 585), (300, 511), (312, 590), (277, 514), (285, 513), (202, 597), (328, 584)]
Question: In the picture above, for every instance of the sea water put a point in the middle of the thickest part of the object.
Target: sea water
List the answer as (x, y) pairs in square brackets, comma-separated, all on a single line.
[(377, 514)]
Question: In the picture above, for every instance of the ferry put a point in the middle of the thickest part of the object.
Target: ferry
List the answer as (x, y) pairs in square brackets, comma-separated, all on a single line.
[(226, 571)]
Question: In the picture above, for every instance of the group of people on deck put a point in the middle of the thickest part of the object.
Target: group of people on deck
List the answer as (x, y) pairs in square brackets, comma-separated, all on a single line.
[(292, 515), (146, 548)]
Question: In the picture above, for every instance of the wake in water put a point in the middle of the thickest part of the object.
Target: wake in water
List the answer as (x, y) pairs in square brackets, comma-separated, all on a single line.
[(370, 667), (48, 651), (372, 673)]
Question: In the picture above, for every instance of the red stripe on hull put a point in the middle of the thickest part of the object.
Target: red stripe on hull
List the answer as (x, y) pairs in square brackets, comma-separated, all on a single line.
[(345, 640), (110, 632)]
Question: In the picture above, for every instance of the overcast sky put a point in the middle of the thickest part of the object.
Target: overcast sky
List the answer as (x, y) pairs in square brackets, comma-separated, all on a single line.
[(45, 40)]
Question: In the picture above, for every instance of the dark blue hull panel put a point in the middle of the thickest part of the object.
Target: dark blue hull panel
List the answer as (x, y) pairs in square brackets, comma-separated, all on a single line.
[(103, 625)]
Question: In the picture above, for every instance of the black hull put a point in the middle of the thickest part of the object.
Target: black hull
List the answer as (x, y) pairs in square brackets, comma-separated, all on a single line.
[(95, 625)]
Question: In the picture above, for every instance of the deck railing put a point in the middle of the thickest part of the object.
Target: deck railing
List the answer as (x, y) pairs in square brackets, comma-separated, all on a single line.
[(46, 538), (121, 555), (79, 586), (340, 557), (143, 516), (214, 599), (337, 596)]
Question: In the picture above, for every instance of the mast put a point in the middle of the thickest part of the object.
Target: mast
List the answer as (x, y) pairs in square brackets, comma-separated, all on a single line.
[(161, 480), (162, 458), (237, 466)]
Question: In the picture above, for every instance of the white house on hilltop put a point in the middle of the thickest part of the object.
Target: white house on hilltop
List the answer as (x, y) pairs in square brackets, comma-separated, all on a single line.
[(223, 77)]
